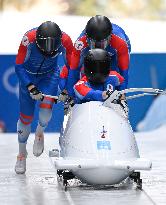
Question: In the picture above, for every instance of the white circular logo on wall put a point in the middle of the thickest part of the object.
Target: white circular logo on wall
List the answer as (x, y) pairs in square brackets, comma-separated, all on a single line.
[(6, 81), (79, 45), (25, 41)]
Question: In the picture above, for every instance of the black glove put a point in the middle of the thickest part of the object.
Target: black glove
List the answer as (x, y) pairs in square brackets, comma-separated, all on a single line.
[(113, 96), (63, 97), (68, 105), (108, 93), (36, 94), (121, 100)]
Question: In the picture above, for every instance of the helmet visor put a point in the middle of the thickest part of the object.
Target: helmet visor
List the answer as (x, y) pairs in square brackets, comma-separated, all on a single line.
[(49, 44), (99, 44)]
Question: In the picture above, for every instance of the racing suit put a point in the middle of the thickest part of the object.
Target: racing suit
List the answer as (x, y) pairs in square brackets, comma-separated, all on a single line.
[(33, 67), (86, 91), (119, 48)]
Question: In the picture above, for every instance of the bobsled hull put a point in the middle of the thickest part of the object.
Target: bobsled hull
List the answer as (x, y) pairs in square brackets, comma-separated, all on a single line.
[(102, 138), (94, 131)]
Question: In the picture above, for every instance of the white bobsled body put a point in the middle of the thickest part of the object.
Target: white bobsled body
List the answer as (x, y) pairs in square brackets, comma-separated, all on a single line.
[(98, 144)]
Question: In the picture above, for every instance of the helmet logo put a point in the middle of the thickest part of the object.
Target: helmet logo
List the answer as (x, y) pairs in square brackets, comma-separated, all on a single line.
[(79, 45), (25, 41)]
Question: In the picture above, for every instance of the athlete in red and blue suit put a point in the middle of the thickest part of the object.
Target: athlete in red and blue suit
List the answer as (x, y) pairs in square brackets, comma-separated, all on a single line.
[(87, 91), (98, 77), (38, 72), (100, 33)]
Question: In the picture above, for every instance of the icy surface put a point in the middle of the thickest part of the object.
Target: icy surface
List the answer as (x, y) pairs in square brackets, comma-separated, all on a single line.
[(156, 115), (39, 184), (152, 145)]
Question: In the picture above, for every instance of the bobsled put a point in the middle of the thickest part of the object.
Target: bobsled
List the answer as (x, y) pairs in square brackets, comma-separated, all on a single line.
[(98, 146)]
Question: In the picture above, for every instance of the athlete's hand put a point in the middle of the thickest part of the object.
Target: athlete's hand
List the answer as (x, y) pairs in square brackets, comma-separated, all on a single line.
[(108, 94), (104, 95), (114, 96), (63, 96), (35, 93), (68, 105), (118, 98)]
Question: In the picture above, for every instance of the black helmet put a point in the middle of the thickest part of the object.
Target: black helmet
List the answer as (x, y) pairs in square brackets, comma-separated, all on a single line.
[(48, 38), (97, 65), (98, 31)]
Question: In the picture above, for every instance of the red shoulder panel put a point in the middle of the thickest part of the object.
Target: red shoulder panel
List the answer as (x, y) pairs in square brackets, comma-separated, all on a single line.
[(122, 51), (68, 44), (28, 38)]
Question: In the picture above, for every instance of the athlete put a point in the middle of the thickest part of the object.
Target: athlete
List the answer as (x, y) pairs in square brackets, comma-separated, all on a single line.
[(100, 33), (98, 79), (38, 72)]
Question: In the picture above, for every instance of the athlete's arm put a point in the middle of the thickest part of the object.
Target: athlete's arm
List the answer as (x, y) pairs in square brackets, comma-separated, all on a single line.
[(85, 92), (76, 63), (20, 58), (19, 68)]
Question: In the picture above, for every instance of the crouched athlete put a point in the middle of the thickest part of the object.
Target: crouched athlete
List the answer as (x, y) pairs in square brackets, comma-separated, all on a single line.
[(98, 79)]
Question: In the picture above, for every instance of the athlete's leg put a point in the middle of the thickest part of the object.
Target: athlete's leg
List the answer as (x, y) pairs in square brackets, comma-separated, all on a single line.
[(45, 113), (27, 106), (49, 86)]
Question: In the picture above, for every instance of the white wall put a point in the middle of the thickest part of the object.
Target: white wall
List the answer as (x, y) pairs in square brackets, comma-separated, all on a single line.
[(146, 37)]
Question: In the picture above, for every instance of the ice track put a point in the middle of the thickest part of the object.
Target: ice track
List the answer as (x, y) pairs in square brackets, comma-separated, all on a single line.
[(39, 185)]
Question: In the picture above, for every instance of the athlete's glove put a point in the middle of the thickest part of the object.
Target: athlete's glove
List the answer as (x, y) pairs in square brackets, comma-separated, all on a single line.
[(63, 96), (35, 93), (118, 98), (68, 105), (112, 95), (109, 94)]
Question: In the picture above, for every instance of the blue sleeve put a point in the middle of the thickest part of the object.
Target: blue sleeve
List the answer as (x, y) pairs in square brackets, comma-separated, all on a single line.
[(128, 43), (114, 81), (63, 58), (120, 32), (94, 95), (72, 79), (62, 83), (124, 85), (22, 75), (127, 40), (74, 76)]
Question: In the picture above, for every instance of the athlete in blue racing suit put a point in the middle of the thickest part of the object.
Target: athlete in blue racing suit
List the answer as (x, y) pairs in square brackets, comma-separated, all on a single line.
[(98, 78), (38, 72), (100, 33)]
